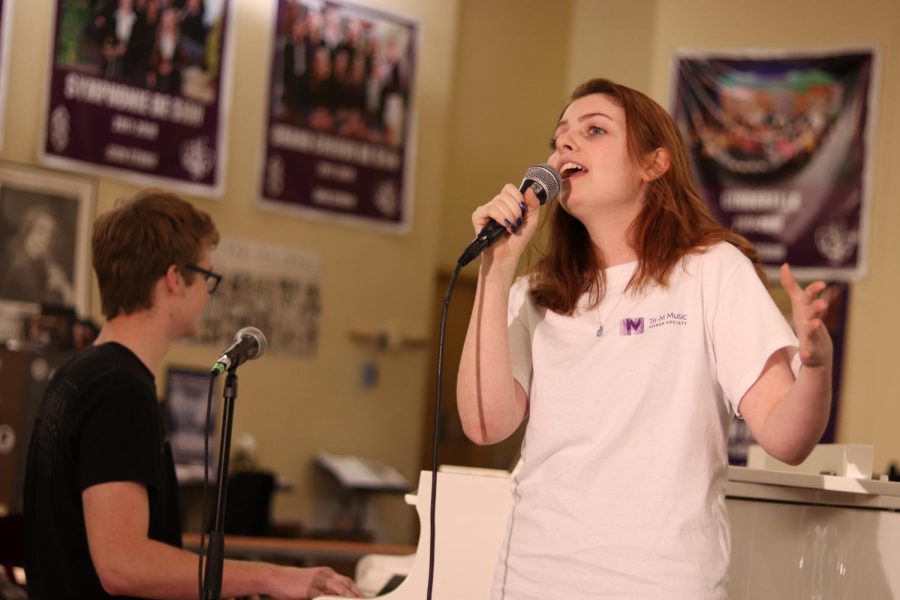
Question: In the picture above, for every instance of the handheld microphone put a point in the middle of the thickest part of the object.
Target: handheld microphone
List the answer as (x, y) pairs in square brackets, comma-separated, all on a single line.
[(543, 180), (249, 343)]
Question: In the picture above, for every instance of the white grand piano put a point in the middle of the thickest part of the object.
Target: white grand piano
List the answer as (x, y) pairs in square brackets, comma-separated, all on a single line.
[(795, 534)]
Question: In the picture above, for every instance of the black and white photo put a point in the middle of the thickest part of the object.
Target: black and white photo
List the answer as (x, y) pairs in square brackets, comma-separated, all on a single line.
[(44, 221)]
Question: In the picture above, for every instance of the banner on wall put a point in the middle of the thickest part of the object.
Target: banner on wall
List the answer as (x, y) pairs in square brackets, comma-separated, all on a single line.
[(138, 90), (780, 146), (6, 8), (272, 288), (338, 140)]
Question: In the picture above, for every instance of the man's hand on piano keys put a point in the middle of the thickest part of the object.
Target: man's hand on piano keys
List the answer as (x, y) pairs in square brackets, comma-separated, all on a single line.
[(293, 583)]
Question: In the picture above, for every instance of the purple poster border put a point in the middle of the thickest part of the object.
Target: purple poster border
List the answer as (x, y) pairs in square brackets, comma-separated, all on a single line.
[(126, 125), (6, 14), (781, 147), (326, 158)]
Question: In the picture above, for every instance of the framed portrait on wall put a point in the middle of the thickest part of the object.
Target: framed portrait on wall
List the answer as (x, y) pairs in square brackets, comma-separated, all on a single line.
[(45, 220)]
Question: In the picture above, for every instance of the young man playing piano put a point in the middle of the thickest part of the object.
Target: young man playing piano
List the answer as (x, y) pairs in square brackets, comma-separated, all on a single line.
[(101, 504)]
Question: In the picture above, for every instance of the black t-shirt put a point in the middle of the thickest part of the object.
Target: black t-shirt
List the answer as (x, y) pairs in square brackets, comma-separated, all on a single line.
[(98, 422)]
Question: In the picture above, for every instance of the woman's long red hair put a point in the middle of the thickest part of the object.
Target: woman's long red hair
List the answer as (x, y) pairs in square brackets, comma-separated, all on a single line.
[(675, 220)]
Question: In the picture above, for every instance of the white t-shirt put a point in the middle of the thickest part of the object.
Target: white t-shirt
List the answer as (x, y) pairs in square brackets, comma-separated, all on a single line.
[(620, 492)]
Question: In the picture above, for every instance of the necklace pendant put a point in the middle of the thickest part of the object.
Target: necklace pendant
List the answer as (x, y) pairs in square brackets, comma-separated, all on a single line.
[(599, 331)]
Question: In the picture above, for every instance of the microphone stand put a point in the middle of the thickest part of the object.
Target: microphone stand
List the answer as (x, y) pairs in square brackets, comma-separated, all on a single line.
[(215, 558)]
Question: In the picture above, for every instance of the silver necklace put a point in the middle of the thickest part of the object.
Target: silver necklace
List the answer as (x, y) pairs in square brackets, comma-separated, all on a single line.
[(609, 318)]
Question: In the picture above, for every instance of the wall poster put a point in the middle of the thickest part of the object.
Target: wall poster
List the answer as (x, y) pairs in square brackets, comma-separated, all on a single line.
[(139, 90), (272, 288), (780, 144), (339, 139), (6, 16)]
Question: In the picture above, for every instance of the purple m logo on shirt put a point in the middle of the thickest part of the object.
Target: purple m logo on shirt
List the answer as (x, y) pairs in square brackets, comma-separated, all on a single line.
[(631, 326)]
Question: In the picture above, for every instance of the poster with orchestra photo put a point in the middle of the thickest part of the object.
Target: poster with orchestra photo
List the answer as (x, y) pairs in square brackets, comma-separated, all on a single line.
[(137, 90), (338, 137), (781, 147)]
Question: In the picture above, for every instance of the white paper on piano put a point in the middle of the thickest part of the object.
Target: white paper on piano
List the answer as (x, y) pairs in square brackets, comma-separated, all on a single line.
[(362, 473)]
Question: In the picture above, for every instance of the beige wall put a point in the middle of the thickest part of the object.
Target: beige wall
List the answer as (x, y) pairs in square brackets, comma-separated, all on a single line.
[(297, 406), (509, 88), (614, 40)]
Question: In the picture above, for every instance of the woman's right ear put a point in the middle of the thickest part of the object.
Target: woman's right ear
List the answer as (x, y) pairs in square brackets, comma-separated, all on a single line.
[(657, 165)]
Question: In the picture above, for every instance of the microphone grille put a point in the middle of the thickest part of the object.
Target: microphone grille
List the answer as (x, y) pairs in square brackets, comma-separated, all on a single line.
[(256, 334), (548, 177)]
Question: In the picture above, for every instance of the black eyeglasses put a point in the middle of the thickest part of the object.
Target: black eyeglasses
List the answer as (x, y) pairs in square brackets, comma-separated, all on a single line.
[(211, 277)]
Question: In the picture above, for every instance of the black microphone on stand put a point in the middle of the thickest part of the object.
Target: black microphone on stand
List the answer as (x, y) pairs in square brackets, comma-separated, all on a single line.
[(543, 180), (249, 343)]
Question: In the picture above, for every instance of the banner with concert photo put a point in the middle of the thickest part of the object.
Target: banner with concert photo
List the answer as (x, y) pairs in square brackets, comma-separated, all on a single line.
[(339, 132), (138, 90), (780, 145)]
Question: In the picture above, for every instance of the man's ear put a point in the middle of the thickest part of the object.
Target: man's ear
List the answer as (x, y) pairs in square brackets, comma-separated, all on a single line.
[(658, 162), (173, 280)]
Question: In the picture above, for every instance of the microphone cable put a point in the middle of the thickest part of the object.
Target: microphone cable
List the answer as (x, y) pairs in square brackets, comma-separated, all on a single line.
[(437, 424), (545, 182), (201, 552)]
